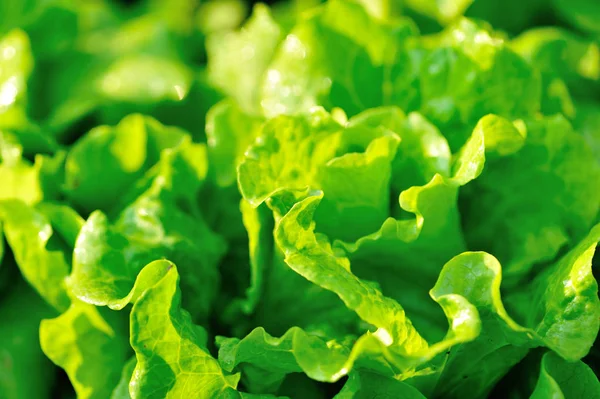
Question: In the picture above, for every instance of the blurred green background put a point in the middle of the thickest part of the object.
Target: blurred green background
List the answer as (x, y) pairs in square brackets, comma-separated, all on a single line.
[(94, 61)]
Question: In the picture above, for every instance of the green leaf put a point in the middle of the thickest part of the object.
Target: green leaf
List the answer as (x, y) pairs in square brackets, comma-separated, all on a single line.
[(570, 66), (256, 44), (288, 299), (370, 385), (258, 223), (122, 65), (172, 359), (24, 181), (229, 133), (29, 142), (588, 119), (287, 154), (89, 345), (564, 307), (444, 11), (162, 222), (145, 79), (422, 152), (561, 379), (16, 64), (266, 360), (396, 338), (560, 308), (357, 183), (38, 252), (538, 199), (323, 61), (121, 391), (352, 166), (470, 72), (558, 51), (20, 355), (108, 160), (473, 368), (581, 13), (449, 78), (428, 223), (64, 219)]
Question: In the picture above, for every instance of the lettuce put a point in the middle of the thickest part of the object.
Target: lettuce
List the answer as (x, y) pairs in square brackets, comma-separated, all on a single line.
[(322, 199)]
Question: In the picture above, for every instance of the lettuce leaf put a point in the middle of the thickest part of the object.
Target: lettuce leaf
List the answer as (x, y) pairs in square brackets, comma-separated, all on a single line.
[(561, 379), (110, 159), (562, 319), (164, 221), (16, 63), (363, 199), (90, 345), (38, 251), (324, 62), (368, 385), (172, 359), (539, 198), (257, 42)]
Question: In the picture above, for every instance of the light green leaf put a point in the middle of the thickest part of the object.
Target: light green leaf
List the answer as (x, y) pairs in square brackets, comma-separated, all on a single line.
[(38, 252), (287, 155), (422, 152), (473, 368), (16, 64), (24, 181), (172, 359), (396, 338), (351, 165), (444, 11), (266, 360), (237, 61), (21, 181), (215, 16), (324, 61), (89, 345), (560, 309), (163, 222), (145, 79), (564, 308), (382, 9)]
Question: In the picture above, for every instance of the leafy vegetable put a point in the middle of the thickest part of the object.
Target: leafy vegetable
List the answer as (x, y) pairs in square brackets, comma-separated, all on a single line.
[(321, 199), (562, 379)]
